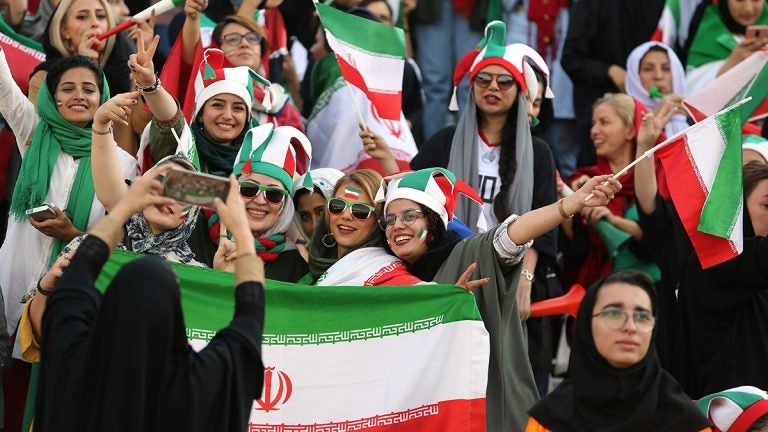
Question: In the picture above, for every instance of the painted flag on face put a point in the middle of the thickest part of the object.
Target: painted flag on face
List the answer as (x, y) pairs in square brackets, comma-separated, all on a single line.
[(374, 358), (371, 56), (706, 187)]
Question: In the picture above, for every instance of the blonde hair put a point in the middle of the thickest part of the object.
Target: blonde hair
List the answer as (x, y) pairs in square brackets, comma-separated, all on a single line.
[(54, 33), (623, 105), (369, 180)]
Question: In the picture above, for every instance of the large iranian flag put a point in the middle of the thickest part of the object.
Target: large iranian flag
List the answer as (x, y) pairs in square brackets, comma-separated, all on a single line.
[(352, 358), (706, 185), (371, 56), (748, 78), (673, 26)]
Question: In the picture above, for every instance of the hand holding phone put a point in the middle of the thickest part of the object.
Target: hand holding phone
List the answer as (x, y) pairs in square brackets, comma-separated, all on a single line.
[(759, 32), (41, 213), (195, 188)]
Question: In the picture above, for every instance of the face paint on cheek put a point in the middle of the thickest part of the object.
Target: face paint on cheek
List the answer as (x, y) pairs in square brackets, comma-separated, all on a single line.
[(422, 234), (185, 212)]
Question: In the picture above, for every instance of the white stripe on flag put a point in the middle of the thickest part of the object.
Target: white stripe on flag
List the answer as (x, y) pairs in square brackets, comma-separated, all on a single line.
[(383, 74)]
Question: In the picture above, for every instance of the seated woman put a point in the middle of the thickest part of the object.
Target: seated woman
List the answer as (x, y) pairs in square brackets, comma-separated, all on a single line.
[(347, 246), (266, 166), (310, 203), (121, 361), (416, 214), (655, 77), (718, 39), (616, 382), (55, 144), (616, 118)]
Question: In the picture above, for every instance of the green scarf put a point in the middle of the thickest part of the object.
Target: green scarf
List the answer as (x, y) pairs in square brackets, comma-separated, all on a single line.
[(53, 135), (216, 158), (713, 41)]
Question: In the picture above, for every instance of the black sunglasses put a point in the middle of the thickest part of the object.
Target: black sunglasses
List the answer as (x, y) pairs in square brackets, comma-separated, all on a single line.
[(360, 211), (504, 81), (273, 194)]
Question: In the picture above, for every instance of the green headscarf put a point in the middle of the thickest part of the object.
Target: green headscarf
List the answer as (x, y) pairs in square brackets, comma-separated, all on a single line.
[(53, 135)]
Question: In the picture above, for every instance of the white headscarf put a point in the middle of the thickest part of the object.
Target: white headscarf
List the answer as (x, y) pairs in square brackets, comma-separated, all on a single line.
[(635, 88)]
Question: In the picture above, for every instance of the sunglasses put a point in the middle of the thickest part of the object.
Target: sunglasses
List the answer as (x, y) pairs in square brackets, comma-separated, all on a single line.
[(407, 217), (359, 211), (234, 39), (273, 194), (503, 81)]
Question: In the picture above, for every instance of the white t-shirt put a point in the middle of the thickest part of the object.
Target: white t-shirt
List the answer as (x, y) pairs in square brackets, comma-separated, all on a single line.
[(489, 182)]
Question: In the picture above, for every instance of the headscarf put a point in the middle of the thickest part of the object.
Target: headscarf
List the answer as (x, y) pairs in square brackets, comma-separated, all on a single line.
[(635, 88), (464, 160), (53, 135), (172, 244), (601, 398)]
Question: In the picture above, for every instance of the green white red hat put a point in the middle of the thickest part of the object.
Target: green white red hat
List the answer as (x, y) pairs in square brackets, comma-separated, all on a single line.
[(436, 188), (213, 79), (282, 152), (491, 50), (322, 178), (736, 409)]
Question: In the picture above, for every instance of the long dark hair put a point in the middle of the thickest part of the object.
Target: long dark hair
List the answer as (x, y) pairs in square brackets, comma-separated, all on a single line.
[(71, 62), (507, 160)]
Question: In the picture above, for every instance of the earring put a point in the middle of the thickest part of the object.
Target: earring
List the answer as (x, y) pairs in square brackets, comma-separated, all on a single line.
[(328, 240)]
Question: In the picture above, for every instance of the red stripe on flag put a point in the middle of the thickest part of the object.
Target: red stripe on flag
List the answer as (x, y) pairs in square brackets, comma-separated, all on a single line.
[(388, 105), (447, 416), (689, 196), (695, 113), (761, 111)]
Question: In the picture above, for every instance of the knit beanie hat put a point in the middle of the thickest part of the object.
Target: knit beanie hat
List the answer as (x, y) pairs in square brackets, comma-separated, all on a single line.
[(213, 79), (756, 143), (282, 152), (492, 51), (736, 409), (436, 188)]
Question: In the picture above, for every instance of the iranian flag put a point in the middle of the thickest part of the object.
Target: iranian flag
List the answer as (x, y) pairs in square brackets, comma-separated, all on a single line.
[(371, 56), (706, 187), (748, 78), (21, 52), (674, 23), (351, 358)]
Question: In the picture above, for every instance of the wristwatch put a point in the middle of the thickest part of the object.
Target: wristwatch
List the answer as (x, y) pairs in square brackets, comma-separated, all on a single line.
[(527, 275)]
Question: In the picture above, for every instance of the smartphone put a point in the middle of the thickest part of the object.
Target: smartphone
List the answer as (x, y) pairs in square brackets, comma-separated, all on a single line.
[(195, 188), (42, 213), (756, 32)]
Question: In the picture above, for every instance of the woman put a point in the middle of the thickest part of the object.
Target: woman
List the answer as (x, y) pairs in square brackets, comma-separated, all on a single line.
[(121, 361), (55, 144), (244, 43), (616, 382), (615, 120), (718, 41), (417, 210), (655, 77), (310, 203), (347, 247)]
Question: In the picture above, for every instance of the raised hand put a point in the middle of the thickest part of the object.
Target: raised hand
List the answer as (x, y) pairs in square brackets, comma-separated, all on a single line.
[(90, 46), (193, 8), (142, 68), (652, 126), (117, 109), (597, 191), (233, 215), (145, 191), (144, 30)]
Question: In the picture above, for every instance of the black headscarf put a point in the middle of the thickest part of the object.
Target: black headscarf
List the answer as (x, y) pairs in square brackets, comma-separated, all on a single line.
[(115, 69), (601, 398)]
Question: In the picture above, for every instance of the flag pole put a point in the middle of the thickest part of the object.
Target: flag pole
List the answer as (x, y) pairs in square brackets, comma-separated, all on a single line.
[(670, 140), (357, 106)]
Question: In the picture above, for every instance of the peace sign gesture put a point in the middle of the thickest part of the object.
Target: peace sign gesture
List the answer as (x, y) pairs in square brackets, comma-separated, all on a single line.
[(142, 68)]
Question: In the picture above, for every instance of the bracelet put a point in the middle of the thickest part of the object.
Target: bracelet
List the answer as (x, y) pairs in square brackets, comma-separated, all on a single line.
[(106, 132), (151, 89), (42, 290), (561, 209)]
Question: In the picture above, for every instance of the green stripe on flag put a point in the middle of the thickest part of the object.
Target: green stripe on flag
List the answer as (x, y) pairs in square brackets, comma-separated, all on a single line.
[(758, 89), (299, 315), (365, 35), (724, 202), (674, 8)]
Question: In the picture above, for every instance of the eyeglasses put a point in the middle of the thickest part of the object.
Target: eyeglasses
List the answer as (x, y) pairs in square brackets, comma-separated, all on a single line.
[(616, 319), (504, 81), (253, 38), (407, 217), (273, 194), (359, 211)]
